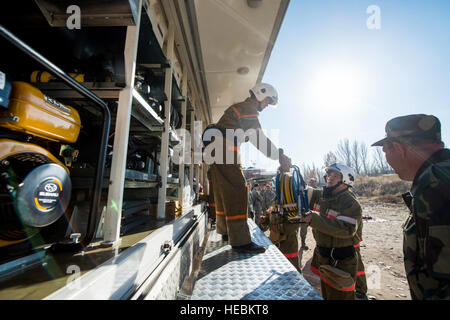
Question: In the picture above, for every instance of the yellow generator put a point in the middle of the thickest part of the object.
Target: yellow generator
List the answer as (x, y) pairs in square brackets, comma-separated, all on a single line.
[(36, 133)]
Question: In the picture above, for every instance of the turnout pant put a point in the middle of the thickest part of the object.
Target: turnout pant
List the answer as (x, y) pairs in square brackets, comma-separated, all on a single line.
[(303, 232), (231, 199), (289, 246), (361, 282), (329, 292)]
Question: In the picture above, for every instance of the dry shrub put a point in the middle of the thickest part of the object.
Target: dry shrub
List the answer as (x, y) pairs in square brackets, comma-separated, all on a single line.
[(389, 198), (387, 187)]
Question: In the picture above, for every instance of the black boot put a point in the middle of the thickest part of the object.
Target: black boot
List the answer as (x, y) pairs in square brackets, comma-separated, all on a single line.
[(361, 296), (224, 237), (249, 248)]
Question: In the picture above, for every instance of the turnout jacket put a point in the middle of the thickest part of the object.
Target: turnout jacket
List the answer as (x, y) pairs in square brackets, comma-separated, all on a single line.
[(335, 219), (244, 115), (426, 232)]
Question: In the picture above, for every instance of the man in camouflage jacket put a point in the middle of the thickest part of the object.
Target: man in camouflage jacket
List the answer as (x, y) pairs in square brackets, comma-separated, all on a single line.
[(414, 149)]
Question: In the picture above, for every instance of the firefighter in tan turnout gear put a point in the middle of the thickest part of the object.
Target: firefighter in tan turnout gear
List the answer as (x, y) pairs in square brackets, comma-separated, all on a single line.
[(230, 190), (282, 219), (284, 235), (361, 281), (335, 230)]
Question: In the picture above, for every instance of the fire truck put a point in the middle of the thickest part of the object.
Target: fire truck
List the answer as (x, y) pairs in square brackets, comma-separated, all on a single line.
[(98, 98)]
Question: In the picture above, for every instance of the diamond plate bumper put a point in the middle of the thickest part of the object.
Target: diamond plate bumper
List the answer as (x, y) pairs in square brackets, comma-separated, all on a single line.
[(228, 275)]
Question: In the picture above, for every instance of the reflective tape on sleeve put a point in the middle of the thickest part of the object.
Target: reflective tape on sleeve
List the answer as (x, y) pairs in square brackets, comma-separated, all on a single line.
[(241, 116), (347, 219)]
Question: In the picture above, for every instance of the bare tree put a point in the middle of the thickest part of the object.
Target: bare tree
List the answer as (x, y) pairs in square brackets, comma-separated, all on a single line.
[(355, 157), (365, 162), (304, 170), (380, 162), (344, 152), (329, 159), (309, 172)]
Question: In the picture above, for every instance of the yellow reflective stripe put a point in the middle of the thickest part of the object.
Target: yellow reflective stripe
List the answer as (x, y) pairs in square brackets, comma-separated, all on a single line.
[(286, 198), (291, 184)]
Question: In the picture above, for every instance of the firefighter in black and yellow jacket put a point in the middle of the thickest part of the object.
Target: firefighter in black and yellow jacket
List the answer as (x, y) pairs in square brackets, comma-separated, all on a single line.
[(335, 231), (230, 190)]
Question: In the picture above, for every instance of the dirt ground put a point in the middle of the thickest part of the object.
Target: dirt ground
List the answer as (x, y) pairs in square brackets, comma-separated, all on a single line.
[(381, 251)]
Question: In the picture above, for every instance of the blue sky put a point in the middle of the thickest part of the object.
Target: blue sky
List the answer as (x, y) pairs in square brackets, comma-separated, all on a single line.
[(338, 79)]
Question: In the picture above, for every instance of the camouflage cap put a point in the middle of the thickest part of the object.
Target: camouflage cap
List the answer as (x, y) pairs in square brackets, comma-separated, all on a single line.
[(412, 126)]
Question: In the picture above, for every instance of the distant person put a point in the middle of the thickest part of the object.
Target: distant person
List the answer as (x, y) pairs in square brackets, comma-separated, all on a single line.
[(335, 231), (269, 196), (414, 149), (251, 212), (258, 204), (312, 183)]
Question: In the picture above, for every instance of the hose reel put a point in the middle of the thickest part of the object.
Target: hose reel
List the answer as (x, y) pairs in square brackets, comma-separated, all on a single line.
[(291, 195)]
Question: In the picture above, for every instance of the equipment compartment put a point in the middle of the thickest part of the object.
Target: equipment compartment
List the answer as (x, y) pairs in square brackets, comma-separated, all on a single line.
[(32, 112)]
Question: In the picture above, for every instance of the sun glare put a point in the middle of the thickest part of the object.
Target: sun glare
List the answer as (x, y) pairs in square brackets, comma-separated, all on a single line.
[(336, 88)]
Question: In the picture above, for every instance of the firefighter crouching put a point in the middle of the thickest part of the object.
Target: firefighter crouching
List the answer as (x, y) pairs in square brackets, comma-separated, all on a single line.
[(284, 235), (282, 218), (335, 228)]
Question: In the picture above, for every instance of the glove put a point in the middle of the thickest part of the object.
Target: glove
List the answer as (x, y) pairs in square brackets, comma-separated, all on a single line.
[(275, 219), (285, 162)]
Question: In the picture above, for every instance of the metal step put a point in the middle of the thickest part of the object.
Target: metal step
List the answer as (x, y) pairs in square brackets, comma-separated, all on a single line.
[(228, 275)]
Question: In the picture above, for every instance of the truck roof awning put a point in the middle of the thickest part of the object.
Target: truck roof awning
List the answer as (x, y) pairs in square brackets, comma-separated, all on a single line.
[(236, 39)]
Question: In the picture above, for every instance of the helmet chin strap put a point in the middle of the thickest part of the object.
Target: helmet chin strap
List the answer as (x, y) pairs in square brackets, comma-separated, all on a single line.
[(259, 107), (327, 191)]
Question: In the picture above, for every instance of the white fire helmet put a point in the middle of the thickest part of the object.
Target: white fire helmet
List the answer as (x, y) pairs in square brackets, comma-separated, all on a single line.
[(264, 90), (348, 174)]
